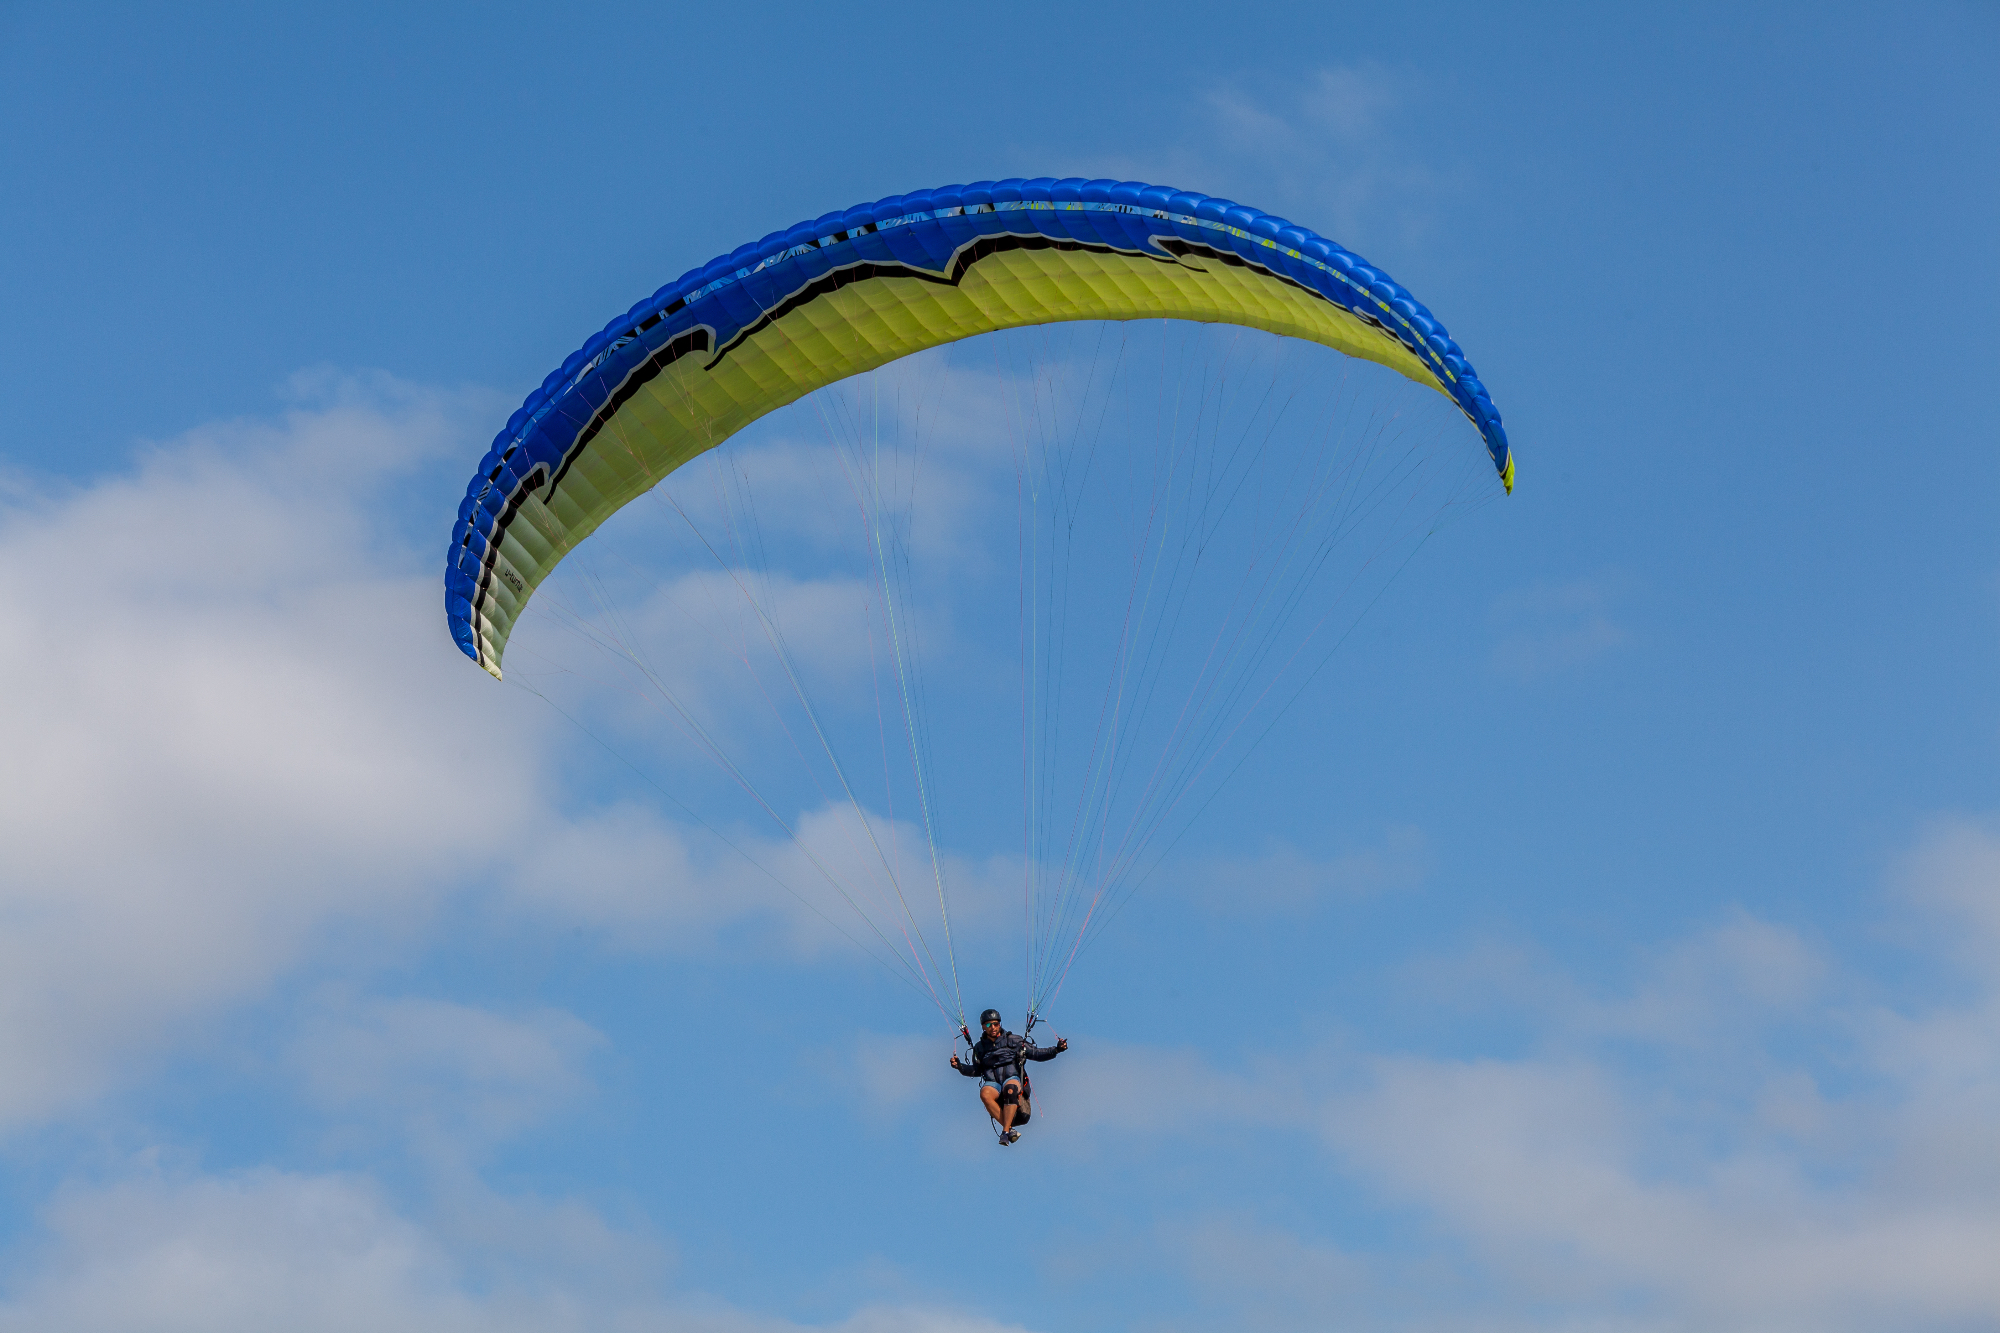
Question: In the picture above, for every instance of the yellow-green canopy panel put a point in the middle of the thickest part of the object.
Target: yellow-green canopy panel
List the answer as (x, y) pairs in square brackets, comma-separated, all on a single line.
[(707, 355)]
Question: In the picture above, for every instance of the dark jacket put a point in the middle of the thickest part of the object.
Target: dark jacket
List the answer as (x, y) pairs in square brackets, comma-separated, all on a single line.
[(1003, 1057)]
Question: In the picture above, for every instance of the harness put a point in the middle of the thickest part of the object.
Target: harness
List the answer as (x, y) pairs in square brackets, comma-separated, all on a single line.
[(1024, 1099)]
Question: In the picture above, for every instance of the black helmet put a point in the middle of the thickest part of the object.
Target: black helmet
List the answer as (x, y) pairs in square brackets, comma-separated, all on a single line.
[(990, 1016)]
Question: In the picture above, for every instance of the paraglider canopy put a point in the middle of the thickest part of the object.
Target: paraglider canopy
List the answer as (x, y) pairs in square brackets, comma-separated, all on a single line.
[(729, 342)]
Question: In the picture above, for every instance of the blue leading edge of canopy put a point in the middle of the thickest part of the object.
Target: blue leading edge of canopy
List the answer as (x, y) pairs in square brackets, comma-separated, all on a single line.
[(923, 230)]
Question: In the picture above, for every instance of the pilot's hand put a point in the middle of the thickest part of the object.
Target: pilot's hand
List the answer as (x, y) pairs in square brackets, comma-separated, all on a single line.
[(954, 1062), (1062, 1043)]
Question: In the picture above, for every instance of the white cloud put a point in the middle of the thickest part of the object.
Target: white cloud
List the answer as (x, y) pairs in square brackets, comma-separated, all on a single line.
[(1735, 1191), (232, 716), (1955, 870), (1286, 880), (1329, 151), (653, 884), (452, 1077), (1548, 628), (272, 1250), (723, 658), (1730, 1140), (1331, 146), (893, 1319), (743, 602), (1712, 992), (1572, 1189), (1267, 1277), (260, 1252), (235, 723), (238, 733)]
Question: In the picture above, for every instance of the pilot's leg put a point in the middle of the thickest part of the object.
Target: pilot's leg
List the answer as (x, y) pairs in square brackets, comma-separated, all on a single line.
[(1009, 1104)]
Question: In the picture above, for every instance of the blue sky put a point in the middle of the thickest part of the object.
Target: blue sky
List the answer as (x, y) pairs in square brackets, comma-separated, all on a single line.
[(1611, 943)]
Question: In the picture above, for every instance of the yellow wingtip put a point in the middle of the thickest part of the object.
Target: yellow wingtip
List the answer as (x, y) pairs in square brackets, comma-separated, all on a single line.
[(1506, 478)]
